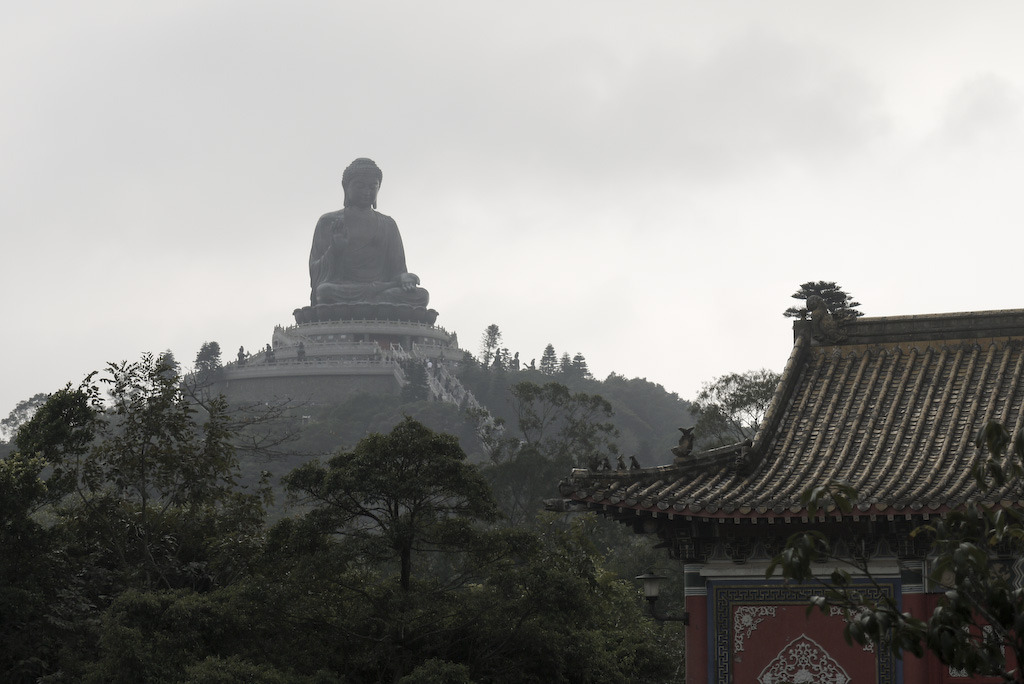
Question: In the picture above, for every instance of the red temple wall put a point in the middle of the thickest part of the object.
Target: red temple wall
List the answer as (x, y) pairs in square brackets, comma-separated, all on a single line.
[(697, 640), (743, 630), (808, 648), (755, 630)]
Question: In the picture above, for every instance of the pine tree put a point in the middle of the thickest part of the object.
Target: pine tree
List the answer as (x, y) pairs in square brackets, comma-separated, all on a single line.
[(579, 367), (839, 303), (208, 357), (565, 364), (549, 360), (169, 366), (489, 343), (417, 387)]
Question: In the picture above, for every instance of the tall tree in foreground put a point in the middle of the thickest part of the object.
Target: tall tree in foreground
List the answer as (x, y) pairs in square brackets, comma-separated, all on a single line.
[(396, 494), (839, 303), (471, 600), (37, 590), (395, 500), (152, 483), (980, 617)]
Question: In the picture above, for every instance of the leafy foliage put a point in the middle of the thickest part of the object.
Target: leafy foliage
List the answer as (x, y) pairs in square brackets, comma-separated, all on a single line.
[(144, 474), (410, 490), (980, 616), (32, 579), (208, 357), (150, 561), (469, 617), (417, 387), (644, 413), (208, 363), (556, 429), (489, 343), (731, 407), (839, 303), (20, 414)]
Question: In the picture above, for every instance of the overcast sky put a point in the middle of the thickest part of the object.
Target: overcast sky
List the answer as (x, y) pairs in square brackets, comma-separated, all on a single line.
[(646, 183)]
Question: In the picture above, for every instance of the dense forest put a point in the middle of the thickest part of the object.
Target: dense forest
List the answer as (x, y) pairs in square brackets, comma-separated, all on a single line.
[(175, 538)]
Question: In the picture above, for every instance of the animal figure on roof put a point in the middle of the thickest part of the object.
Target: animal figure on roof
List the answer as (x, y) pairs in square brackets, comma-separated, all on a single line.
[(685, 446), (823, 322)]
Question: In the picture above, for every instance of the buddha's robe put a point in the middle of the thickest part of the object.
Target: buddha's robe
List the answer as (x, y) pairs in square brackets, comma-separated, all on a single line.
[(365, 269)]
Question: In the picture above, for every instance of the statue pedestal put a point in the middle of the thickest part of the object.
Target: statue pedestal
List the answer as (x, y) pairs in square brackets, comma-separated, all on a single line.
[(364, 311), (330, 361)]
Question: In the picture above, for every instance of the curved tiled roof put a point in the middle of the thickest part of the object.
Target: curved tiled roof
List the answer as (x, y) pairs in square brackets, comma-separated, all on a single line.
[(892, 409)]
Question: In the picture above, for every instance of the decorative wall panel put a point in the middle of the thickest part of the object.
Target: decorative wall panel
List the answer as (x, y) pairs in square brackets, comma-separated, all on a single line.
[(803, 661), (756, 625)]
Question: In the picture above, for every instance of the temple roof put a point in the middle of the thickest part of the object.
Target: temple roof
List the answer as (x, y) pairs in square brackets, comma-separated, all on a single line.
[(890, 405)]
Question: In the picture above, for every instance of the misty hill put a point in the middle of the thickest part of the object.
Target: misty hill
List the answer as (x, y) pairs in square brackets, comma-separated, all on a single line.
[(645, 414)]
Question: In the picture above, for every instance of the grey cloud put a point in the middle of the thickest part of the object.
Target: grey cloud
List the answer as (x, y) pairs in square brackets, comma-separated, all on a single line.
[(586, 110), (984, 108), (179, 98)]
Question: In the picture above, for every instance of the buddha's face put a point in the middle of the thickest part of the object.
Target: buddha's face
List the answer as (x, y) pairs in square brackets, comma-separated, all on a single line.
[(361, 191)]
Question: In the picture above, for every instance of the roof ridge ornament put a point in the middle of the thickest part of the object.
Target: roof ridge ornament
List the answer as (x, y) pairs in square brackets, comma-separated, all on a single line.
[(685, 446), (824, 326)]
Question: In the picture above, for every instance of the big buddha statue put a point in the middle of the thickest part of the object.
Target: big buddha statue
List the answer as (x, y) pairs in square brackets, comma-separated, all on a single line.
[(357, 254)]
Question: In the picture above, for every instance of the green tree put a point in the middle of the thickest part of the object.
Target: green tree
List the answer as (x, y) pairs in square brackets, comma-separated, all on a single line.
[(647, 417), (839, 303), (136, 485), (20, 414), (152, 483), (417, 386), (580, 368), (489, 343), (731, 407), (169, 363), (980, 616), (208, 358), (324, 597), (398, 501), (231, 634), (436, 671), (565, 364), (556, 429), (549, 360), (572, 427), (207, 368), (394, 495), (39, 596), (536, 607), (577, 621)]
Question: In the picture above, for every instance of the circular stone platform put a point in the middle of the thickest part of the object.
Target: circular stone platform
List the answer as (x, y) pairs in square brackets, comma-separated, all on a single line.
[(332, 359), (365, 311)]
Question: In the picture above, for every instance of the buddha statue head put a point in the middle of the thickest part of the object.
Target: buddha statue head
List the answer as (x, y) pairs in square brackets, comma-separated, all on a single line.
[(361, 181)]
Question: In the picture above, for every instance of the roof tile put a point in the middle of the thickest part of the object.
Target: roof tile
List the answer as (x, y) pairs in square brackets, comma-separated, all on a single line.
[(891, 409)]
